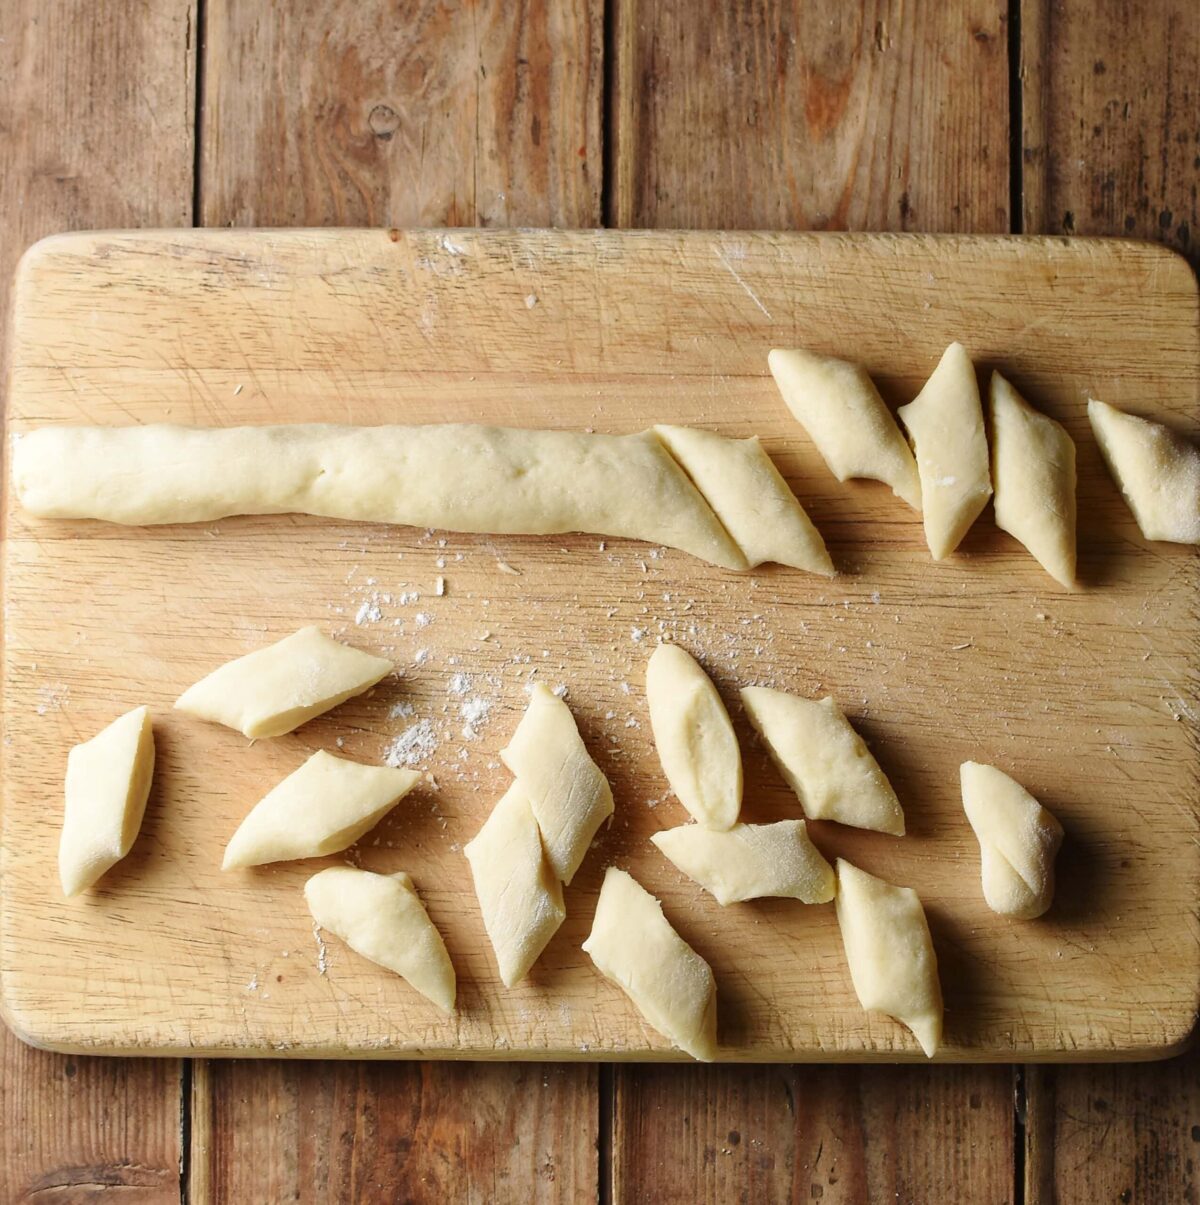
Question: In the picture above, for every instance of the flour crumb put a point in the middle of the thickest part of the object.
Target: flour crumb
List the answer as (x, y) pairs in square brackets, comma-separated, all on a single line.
[(505, 567), (400, 711), (412, 745), (474, 712), (440, 587), (252, 986), (322, 952), (369, 612), (530, 300), (637, 634), (460, 684), (420, 656), (424, 619)]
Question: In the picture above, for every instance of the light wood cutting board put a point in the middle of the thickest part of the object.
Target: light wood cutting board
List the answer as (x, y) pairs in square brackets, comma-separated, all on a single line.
[(1088, 698)]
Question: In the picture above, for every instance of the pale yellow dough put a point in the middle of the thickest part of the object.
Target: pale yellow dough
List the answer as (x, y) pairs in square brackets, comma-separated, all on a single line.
[(276, 689), (107, 785), (824, 760), (633, 944), (837, 403), (945, 421), (382, 918), (694, 737), (1033, 474), (1018, 841), (750, 861), (890, 952), (321, 808), (1157, 470)]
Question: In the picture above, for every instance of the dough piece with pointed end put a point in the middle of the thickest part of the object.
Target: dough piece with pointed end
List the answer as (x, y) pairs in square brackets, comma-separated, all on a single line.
[(750, 497), (633, 944), (519, 894), (891, 956), (945, 421), (1033, 474), (381, 917), (751, 861), (1157, 470), (824, 760), (323, 807), (1018, 841), (694, 737), (107, 785), (274, 690), (837, 403), (567, 791)]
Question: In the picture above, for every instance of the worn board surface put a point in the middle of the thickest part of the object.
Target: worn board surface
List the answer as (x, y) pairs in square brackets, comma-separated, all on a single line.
[(1088, 698)]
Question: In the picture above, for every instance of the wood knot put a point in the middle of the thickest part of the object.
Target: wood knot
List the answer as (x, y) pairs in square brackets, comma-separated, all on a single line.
[(383, 121)]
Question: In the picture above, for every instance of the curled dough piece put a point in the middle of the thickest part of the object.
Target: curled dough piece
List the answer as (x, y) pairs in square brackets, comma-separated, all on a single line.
[(694, 737), (381, 917), (1157, 471), (890, 953), (568, 793), (107, 785), (1033, 473), (751, 861), (945, 421), (633, 944), (824, 760), (274, 690), (838, 405), (1018, 841), (323, 807), (519, 895)]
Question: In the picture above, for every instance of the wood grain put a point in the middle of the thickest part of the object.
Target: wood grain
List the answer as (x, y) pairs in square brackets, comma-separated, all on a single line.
[(95, 130)]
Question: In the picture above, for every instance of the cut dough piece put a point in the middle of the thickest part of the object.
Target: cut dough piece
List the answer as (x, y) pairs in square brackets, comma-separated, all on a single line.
[(891, 956), (694, 737), (824, 760), (274, 690), (569, 795), (633, 944), (323, 807), (838, 405), (519, 895), (750, 497), (108, 783), (459, 477), (1157, 470), (1018, 841), (1033, 472), (751, 861), (945, 421), (381, 917)]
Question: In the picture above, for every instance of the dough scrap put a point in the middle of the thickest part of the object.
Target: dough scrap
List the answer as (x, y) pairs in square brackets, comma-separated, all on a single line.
[(1157, 470), (1033, 474), (824, 760), (107, 785), (892, 961), (276, 689), (567, 791), (321, 808), (837, 403), (1018, 841), (945, 421), (634, 945), (694, 737), (519, 895), (382, 918), (751, 861)]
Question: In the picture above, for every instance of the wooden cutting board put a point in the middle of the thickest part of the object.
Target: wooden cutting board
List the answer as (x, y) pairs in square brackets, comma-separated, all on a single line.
[(1088, 698)]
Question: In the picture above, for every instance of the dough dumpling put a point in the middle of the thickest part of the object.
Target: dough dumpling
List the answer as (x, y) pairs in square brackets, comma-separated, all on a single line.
[(1018, 841), (633, 944), (1157, 470), (274, 690), (751, 861), (824, 760), (838, 405), (381, 917), (945, 421), (108, 783), (890, 953), (1033, 473), (694, 737), (321, 808)]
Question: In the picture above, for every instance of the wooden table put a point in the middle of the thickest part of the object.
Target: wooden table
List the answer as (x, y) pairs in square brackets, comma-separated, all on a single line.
[(1035, 115)]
